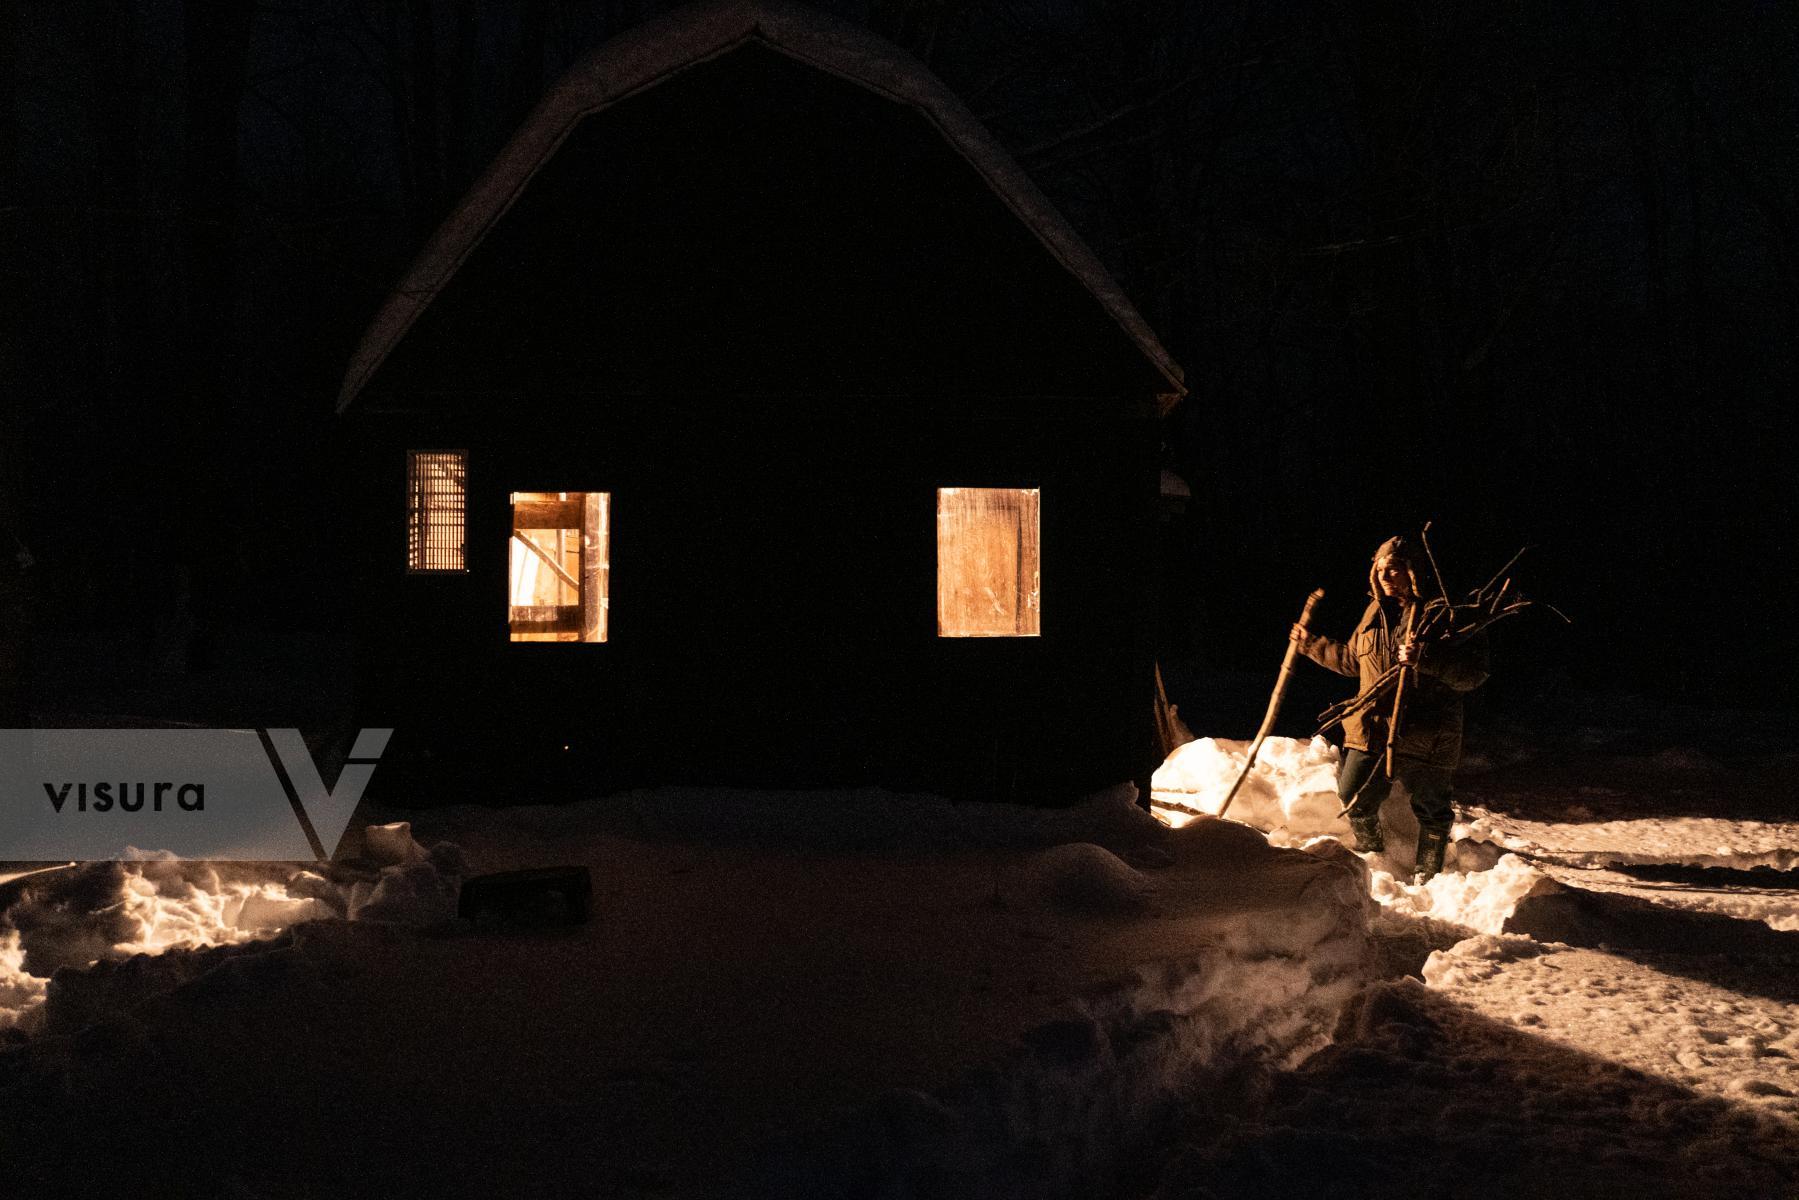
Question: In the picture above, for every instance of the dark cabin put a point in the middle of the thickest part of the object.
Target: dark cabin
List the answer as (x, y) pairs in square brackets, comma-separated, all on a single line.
[(755, 421)]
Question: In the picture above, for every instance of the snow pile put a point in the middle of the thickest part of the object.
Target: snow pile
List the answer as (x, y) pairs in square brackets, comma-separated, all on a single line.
[(1291, 794), (1477, 958), (1479, 901), (20, 991), (1081, 878), (1068, 1112), (414, 886), (109, 912)]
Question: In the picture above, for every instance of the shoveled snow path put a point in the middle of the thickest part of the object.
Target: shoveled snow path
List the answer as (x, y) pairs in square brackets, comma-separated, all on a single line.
[(1712, 1025), (1530, 1069), (1427, 1095), (1644, 1043), (1696, 841)]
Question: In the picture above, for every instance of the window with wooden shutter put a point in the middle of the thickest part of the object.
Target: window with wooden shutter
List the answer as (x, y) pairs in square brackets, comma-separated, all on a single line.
[(988, 568), (559, 570)]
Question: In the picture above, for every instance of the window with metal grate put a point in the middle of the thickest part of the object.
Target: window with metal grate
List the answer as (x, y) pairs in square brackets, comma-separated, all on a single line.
[(436, 510)]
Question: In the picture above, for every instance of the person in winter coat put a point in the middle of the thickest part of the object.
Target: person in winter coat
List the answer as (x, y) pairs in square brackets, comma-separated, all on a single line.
[(1429, 746)]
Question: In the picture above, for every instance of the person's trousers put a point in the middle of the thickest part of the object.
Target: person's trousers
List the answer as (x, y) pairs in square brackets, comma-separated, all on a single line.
[(1362, 787)]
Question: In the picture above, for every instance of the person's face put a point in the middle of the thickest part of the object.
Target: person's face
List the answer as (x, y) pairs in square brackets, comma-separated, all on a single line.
[(1394, 578)]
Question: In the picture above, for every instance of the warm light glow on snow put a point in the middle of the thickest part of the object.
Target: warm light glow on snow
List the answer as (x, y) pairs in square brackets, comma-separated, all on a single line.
[(1687, 1027), (20, 991), (112, 911), (1291, 794), (104, 911), (214, 912)]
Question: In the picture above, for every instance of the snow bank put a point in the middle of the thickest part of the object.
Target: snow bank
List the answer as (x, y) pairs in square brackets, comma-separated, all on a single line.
[(1291, 794), (20, 991), (110, 912), (1478, 901), (1082, 1101), (1082, 878)]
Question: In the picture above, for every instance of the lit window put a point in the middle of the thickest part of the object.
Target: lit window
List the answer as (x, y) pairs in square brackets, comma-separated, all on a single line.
[(436, 510), (988, 563), (559, 570)]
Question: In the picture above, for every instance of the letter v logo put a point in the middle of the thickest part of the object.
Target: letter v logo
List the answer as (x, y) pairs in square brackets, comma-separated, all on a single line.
[(329, 811)]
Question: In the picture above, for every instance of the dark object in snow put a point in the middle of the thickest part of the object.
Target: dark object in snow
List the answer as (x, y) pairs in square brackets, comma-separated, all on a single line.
[(533, 896)]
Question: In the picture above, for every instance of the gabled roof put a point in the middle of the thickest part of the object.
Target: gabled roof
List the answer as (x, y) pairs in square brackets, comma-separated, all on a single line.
[(660, 50)]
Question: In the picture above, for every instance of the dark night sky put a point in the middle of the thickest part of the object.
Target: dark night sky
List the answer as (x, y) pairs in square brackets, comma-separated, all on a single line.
[(1528, 271)]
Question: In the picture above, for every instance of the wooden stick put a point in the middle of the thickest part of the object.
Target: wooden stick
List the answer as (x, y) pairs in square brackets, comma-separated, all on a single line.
[(1398, 710), (1439, 625), (1430, 555), (1500, 574), (1274, 701)]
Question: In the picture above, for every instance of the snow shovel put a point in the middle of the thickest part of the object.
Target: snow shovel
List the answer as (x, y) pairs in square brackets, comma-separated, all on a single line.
[(1274, 701)]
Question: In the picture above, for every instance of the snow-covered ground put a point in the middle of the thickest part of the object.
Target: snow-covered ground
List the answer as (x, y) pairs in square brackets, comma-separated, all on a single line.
[(1608, 1002), (779, 994), (862, 994)]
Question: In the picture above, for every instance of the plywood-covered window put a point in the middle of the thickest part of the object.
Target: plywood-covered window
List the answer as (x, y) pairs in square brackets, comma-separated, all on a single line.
[(559, 571), (988, 562), (436, 510)]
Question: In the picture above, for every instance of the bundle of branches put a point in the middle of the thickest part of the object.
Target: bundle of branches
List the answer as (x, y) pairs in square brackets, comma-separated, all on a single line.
[(1441, 624)]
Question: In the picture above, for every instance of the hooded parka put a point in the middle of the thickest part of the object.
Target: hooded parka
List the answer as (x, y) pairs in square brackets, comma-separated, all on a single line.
[(1430, 727)]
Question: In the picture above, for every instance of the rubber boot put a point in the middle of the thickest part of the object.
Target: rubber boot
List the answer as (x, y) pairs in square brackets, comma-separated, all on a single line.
[(1369, 837), (1431, 845)]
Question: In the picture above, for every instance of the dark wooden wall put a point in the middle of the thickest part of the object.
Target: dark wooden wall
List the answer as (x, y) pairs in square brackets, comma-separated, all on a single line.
[(772, 613)]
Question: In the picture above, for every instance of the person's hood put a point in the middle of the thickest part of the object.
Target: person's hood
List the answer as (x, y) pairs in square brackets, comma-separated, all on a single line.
[(1407, 551), (1411, 552)]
